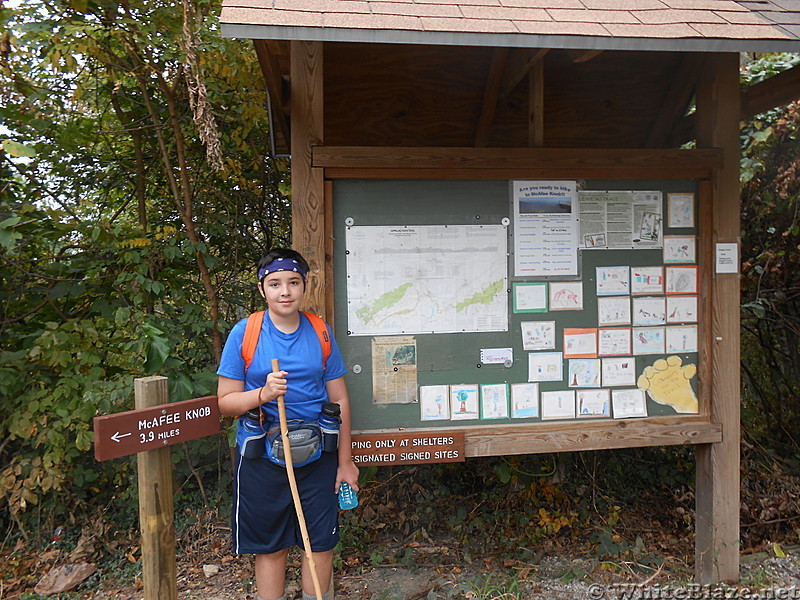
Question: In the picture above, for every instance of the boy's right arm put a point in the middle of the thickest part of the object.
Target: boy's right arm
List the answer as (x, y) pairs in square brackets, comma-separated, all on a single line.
[(234, 401)]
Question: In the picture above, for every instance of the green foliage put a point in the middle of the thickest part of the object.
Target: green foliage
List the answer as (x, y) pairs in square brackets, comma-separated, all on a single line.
[(757, 578), (122, 252), (573, 574), (469, 503), (766, 66), (494, 588), (771, 267)]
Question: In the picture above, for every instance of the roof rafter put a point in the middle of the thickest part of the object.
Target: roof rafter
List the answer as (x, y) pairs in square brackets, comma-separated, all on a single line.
[(675, 104), (491, 95), (520, 62), (581, 56)]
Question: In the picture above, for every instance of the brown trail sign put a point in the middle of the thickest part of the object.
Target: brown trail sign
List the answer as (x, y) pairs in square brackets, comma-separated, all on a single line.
[(408, 448), (133, 431)]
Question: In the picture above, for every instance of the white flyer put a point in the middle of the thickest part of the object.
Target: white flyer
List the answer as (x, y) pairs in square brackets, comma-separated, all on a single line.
[(546, 228), (497, 356)]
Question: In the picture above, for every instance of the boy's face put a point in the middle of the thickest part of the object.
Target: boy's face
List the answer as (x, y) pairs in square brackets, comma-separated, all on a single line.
[(283, 291)]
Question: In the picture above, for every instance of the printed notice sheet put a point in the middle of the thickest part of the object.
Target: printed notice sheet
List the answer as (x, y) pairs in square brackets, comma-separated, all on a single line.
[(426, 279), (620, 219), (680, 210), (546, 228), (394, 370)]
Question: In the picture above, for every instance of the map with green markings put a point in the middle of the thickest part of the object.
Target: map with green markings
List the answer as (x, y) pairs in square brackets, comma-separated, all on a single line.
[(427, 279)]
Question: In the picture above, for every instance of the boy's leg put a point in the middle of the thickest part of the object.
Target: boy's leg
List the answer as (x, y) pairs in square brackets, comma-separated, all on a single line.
[(324, 563), (271, 574)]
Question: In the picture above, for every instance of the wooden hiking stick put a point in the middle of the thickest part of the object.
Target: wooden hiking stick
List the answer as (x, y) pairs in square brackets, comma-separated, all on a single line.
[(298, 507)]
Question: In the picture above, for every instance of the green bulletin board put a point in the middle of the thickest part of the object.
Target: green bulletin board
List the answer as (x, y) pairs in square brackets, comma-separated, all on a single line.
[(454, 358)]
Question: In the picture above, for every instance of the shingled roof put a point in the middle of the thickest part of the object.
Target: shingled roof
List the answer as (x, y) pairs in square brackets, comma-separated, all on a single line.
[(688, 25)]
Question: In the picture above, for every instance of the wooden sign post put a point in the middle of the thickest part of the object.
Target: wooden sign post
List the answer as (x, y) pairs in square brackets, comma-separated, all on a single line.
[(156, 510), (150, 430)]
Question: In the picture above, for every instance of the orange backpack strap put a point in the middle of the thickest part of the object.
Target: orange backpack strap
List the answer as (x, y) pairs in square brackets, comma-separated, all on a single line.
[(251, 334), (253, 330), (322, 333)]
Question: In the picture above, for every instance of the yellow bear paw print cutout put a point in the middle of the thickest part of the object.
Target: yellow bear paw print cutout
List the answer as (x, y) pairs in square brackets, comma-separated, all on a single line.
[(667, 382)]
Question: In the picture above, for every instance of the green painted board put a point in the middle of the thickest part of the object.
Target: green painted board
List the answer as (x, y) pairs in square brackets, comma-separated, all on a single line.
[(454, 358)]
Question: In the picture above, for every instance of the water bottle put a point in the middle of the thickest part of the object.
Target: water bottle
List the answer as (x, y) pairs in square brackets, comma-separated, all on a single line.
[(254, 441), (329, 426), (347, 496)]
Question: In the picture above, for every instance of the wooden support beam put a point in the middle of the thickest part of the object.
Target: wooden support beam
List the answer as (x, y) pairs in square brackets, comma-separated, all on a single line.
[(275, 87), (705, 258), (777, 90), (308, 192), (675, 103), (476, 174), (371, 162), (519, 64), (329, 245), (536, 106), (718, 479), (490, 97), (598, 435), (544, 437)]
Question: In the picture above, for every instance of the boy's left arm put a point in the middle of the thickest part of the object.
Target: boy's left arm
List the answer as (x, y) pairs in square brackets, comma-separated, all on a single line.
[(348, 471)]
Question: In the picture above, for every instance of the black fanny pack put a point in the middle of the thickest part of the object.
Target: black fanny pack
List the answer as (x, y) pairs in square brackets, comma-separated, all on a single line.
[(305, 440), (257, 440)]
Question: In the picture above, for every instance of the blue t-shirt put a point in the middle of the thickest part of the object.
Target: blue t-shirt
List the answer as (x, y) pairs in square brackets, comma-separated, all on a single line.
[(299, 354)]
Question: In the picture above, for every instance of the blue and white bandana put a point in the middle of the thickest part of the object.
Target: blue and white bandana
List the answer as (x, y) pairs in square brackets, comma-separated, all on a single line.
[(281, 264)]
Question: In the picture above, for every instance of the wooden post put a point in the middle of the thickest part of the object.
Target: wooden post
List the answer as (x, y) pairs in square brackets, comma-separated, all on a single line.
[(156, 518), (717, 489), (329, 283), (536, 105), (308, 213)]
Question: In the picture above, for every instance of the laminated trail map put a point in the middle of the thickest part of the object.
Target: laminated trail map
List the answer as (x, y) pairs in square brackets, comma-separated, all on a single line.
[(426, 279)]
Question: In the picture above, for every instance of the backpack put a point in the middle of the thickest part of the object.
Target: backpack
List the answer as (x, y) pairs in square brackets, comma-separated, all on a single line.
[(253, 331)]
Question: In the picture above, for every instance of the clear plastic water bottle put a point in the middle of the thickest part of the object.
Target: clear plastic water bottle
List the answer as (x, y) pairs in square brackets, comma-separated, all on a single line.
[(347, 496), (329, 422)]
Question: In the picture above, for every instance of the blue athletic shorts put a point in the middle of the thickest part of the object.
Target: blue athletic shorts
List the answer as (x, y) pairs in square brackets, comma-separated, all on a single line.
[(264, 518)]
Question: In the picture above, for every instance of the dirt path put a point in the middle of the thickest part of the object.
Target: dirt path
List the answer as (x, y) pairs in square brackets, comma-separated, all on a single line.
[(762, 576)]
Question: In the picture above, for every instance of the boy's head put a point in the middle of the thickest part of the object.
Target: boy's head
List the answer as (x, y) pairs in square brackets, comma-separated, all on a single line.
[(281, 259)]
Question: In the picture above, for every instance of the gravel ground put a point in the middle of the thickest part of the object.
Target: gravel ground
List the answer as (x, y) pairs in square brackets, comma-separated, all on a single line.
[(762, 575)]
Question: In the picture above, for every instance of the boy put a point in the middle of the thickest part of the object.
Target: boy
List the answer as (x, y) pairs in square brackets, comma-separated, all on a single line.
[(264, 521)]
